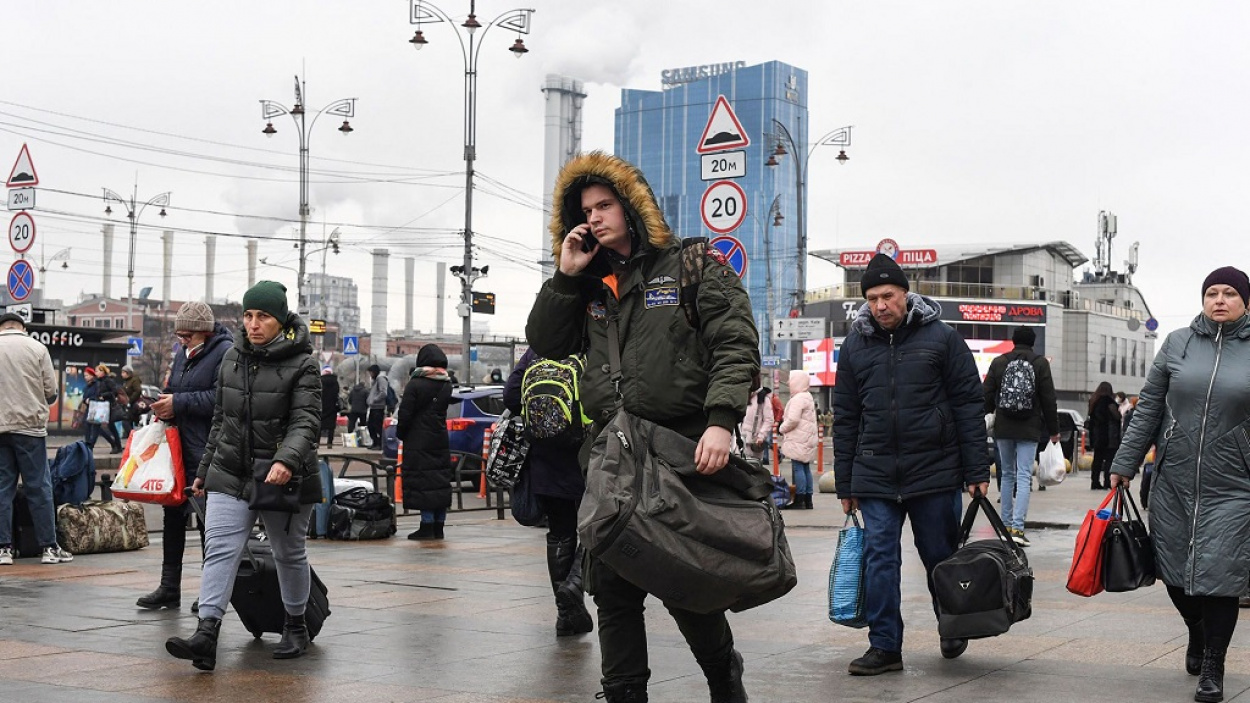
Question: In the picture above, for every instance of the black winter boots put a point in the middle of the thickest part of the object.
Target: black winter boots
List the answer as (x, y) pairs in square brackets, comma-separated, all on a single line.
[(428, 531), (294, 638), (166, 595), (724, 679), (201, 648), (564, 566), (1211, 679)]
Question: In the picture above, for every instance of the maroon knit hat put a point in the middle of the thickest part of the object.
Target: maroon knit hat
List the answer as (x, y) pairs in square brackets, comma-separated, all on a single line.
[(1232, 277)]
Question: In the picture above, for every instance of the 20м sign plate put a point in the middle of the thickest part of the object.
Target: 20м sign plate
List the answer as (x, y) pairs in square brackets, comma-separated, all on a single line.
[(724, 207)]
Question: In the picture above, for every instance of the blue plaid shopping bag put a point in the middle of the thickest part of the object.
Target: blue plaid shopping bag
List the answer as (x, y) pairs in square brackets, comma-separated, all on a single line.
[(846, 576)]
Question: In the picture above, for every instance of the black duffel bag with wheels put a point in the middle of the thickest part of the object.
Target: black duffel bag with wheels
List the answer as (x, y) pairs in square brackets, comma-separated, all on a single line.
[(985, 586), (700, 543)]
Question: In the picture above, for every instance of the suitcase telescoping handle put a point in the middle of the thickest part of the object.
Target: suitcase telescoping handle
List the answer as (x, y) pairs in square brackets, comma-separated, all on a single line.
[(199, 513)]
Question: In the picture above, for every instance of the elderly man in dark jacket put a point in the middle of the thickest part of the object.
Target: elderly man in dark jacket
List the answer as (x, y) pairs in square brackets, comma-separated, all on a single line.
[(1022, 398), (908, 437), (187, 403)]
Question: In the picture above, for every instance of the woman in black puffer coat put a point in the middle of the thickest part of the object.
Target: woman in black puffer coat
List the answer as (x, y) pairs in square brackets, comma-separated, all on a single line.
[(1104, 435), (268, 413), (422, 427)]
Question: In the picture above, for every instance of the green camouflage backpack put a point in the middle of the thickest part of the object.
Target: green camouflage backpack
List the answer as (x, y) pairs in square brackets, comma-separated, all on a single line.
[(550, 402)]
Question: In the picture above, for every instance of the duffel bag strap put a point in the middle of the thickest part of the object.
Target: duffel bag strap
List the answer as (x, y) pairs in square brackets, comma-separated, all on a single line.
[(982, 503), (614, 360)]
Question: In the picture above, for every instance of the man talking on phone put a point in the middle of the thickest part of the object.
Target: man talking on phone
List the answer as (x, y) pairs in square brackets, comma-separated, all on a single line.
[(686, 364)]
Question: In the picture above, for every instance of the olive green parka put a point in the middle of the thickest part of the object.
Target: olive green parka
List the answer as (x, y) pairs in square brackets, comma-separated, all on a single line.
[(285, 409), (681, 377)]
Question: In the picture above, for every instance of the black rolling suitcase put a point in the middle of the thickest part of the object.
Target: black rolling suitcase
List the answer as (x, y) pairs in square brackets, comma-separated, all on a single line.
[(256, 597)]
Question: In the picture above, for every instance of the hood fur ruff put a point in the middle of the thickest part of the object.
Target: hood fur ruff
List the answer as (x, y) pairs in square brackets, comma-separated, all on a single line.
[(596, 167)]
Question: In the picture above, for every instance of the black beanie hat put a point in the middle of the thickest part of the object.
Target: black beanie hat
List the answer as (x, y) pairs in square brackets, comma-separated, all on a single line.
[(1229, 276), (1024, 336), (883, 269), (267, 296)]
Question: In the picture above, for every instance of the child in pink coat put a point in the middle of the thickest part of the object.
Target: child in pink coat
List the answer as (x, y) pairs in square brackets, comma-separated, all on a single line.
[(800, 433)]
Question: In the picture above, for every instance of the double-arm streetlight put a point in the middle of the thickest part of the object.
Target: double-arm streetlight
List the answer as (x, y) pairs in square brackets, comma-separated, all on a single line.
[(840, 137), (774, 211), (518, 20), (133, 211), (345, 108)]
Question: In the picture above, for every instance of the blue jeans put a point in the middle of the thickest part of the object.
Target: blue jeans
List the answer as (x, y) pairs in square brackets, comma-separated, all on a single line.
[(1017, 472), (802, 477), (439, 515), (935, 530), (106, 430), (27, 456)]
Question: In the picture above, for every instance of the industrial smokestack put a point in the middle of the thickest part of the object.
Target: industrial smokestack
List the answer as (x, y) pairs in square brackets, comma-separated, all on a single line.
[(409, 272), (562, 140), (251, 263), (377, 337), (440, 286), (107, 283), (210, 263), (167, 279)]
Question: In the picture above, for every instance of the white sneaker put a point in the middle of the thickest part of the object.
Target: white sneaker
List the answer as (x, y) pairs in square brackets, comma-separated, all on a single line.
[(6, 556), (55, 555)]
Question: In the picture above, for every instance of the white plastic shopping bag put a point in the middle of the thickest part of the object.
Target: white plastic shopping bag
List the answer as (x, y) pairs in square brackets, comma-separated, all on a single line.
[(1051, 468), (151, 468)]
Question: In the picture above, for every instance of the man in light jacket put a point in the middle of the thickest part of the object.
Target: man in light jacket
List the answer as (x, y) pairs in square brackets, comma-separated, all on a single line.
[(28, 387)]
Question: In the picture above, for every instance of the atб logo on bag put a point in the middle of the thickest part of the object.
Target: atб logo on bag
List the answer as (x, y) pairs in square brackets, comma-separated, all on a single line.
[(965, 584)]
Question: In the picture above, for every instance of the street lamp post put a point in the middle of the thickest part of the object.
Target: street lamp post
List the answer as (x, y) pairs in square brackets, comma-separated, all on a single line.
[(517, 20), (840, 137), (133, 211), (774, 211), (345, 108)]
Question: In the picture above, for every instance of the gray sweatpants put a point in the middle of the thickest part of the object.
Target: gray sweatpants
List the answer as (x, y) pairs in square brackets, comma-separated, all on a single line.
[(226, 529)]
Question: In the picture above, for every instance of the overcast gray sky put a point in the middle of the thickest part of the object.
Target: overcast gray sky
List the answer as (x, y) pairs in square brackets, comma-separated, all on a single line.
[(975, 122)]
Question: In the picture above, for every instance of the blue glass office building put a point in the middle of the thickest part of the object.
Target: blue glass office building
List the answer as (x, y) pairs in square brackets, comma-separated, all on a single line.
[(660, 131)]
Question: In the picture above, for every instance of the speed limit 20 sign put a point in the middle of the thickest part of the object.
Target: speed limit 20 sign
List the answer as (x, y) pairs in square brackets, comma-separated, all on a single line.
[(22, 232), (724, 207)]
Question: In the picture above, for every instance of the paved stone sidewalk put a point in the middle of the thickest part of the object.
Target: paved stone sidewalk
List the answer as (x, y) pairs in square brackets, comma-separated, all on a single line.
[(470, 620)]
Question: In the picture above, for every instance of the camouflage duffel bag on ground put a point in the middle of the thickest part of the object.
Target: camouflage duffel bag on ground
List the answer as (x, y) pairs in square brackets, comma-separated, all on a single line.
[(93, 527)]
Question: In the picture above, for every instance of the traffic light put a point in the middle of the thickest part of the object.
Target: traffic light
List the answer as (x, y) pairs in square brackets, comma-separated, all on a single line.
[(483, 303)]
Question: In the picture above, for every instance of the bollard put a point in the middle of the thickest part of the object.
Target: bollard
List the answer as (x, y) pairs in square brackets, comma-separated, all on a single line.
[(106, 488), (486, 437), (398, 498), (820, 449)]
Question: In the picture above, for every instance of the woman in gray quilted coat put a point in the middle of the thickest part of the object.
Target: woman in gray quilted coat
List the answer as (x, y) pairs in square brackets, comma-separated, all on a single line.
[(268, 415), (1196, 407)]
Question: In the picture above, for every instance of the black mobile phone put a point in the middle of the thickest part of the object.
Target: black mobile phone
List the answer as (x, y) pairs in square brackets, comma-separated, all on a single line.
[(588, 241)]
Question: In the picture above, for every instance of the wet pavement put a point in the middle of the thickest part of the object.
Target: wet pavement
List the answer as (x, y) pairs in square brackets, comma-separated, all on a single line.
[(471, 620)]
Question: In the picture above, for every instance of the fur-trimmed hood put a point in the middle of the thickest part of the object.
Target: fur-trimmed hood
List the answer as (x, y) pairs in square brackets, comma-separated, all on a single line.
[(921, 310), (647, 224)]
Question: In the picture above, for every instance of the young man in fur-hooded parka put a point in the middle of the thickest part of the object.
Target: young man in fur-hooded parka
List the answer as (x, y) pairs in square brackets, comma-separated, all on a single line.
[(615, 256)]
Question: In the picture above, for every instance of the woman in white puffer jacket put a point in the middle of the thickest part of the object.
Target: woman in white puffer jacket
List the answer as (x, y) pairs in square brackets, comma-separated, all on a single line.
[(800, 435)]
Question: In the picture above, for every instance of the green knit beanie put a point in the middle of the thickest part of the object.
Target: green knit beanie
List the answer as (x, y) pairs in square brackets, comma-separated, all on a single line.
[(267, 296)]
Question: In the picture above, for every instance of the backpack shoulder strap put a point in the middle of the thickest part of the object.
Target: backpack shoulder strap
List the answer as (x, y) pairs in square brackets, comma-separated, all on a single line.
[(693, 249)]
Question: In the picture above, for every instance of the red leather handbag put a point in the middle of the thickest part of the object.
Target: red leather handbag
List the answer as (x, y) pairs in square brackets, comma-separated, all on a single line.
[(1085, 578)]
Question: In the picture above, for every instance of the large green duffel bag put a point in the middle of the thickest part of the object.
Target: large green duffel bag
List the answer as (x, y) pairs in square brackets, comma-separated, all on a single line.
[(95, 527), (700, 543)]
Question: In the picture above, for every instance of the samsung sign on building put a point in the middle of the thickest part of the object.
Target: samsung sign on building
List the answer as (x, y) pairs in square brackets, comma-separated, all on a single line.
[(677, 76)]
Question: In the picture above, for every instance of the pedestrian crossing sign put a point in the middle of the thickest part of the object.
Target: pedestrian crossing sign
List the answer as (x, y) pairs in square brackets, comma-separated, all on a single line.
[(351, 346), (134, 346)]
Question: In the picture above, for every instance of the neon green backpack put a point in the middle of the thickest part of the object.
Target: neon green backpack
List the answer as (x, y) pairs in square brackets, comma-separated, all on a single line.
[(550, 400)]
